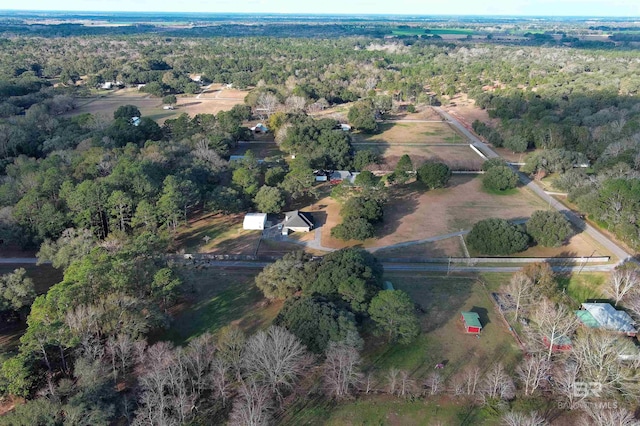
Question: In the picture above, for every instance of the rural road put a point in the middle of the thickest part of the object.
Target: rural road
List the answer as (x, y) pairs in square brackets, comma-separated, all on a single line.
[(614, 248), (19, 260)]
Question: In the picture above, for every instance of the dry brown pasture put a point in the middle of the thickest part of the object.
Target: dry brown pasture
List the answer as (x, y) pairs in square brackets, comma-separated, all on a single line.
[(225, 233), (457, 157), (413, 214), (212, 101), (412, 132)]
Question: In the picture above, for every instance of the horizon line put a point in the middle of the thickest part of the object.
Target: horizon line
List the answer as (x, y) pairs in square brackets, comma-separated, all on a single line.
[(322, 14)]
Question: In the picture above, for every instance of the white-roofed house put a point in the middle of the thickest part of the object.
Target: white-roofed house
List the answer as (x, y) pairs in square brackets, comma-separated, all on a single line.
[(606, 317)]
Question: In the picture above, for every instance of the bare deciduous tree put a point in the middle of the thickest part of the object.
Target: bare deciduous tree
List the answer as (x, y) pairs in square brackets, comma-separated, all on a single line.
[(341, 369), (520, 288), (435, 383), (597, 354), (609, 417), (199, 360), (406, 384), (266, 104), (472, 378), (532, 372), (497, 384), (623, 281), (521, 419), (392, 380), (220, 372), (253, 406), (210, 157), (553, 323), (295, 104), (275, 357), (565, 376)]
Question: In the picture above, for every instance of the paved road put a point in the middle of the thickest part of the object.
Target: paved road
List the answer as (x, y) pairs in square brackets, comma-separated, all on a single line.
[(475, 141), (614, 248), (22, 260)]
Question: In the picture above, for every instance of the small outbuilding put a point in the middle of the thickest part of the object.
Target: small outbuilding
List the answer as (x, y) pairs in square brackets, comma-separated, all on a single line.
[(260, 129), (387, 285), (471, 322), (560, 343), (254, 221)]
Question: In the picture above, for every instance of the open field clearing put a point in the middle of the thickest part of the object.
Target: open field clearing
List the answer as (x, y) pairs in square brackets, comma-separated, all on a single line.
[(413, 213), (456, 157), (260, 150), (210, 103), (451, 247), (443, 340), (216, 298), (225, 234), (406, 132)]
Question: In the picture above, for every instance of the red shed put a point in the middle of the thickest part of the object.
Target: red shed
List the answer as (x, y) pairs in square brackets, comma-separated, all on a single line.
[(471, 322), (560, 343)]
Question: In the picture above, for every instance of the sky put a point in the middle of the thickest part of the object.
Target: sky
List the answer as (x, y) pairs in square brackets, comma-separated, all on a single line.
[(622, 8)]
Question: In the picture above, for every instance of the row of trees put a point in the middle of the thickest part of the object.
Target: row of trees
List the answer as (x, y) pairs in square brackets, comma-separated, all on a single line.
[(499, 237)]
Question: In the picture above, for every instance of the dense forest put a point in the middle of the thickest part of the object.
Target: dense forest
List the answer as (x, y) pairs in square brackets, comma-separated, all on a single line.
[(101, 197)]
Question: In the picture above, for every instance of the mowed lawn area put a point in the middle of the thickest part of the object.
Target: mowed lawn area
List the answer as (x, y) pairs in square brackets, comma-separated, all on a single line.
[(457, 157), (217, 233), (407, 132), (443, 340), (216, 297), (413, 213)]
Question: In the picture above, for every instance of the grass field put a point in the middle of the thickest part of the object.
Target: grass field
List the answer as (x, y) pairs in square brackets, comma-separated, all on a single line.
[(443, 340), (456, 157), (212, 101), (225, 234), (406, 132), (413, 213), (216, 298)]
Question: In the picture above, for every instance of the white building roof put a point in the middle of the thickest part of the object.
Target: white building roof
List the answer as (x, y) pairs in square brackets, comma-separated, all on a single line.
[(609, 318), (254, 221)]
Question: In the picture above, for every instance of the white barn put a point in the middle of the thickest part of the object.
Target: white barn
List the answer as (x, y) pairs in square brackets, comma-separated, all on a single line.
[(254, 221)]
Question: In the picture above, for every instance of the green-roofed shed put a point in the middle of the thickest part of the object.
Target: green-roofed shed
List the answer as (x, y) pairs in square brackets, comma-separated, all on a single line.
[(387, 285), (471, 322), (587, 319)]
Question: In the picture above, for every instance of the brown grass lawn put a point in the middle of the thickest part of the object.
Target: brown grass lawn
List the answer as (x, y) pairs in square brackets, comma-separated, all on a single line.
[(444, 339), (211, 102), (260, 150), (226, 233), (581, 244), (413, 213), (457, 157), (427, 133), (445, 248), (216, 298)]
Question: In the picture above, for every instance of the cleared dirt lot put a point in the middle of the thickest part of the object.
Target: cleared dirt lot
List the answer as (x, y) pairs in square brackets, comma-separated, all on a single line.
[(457, 157)]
